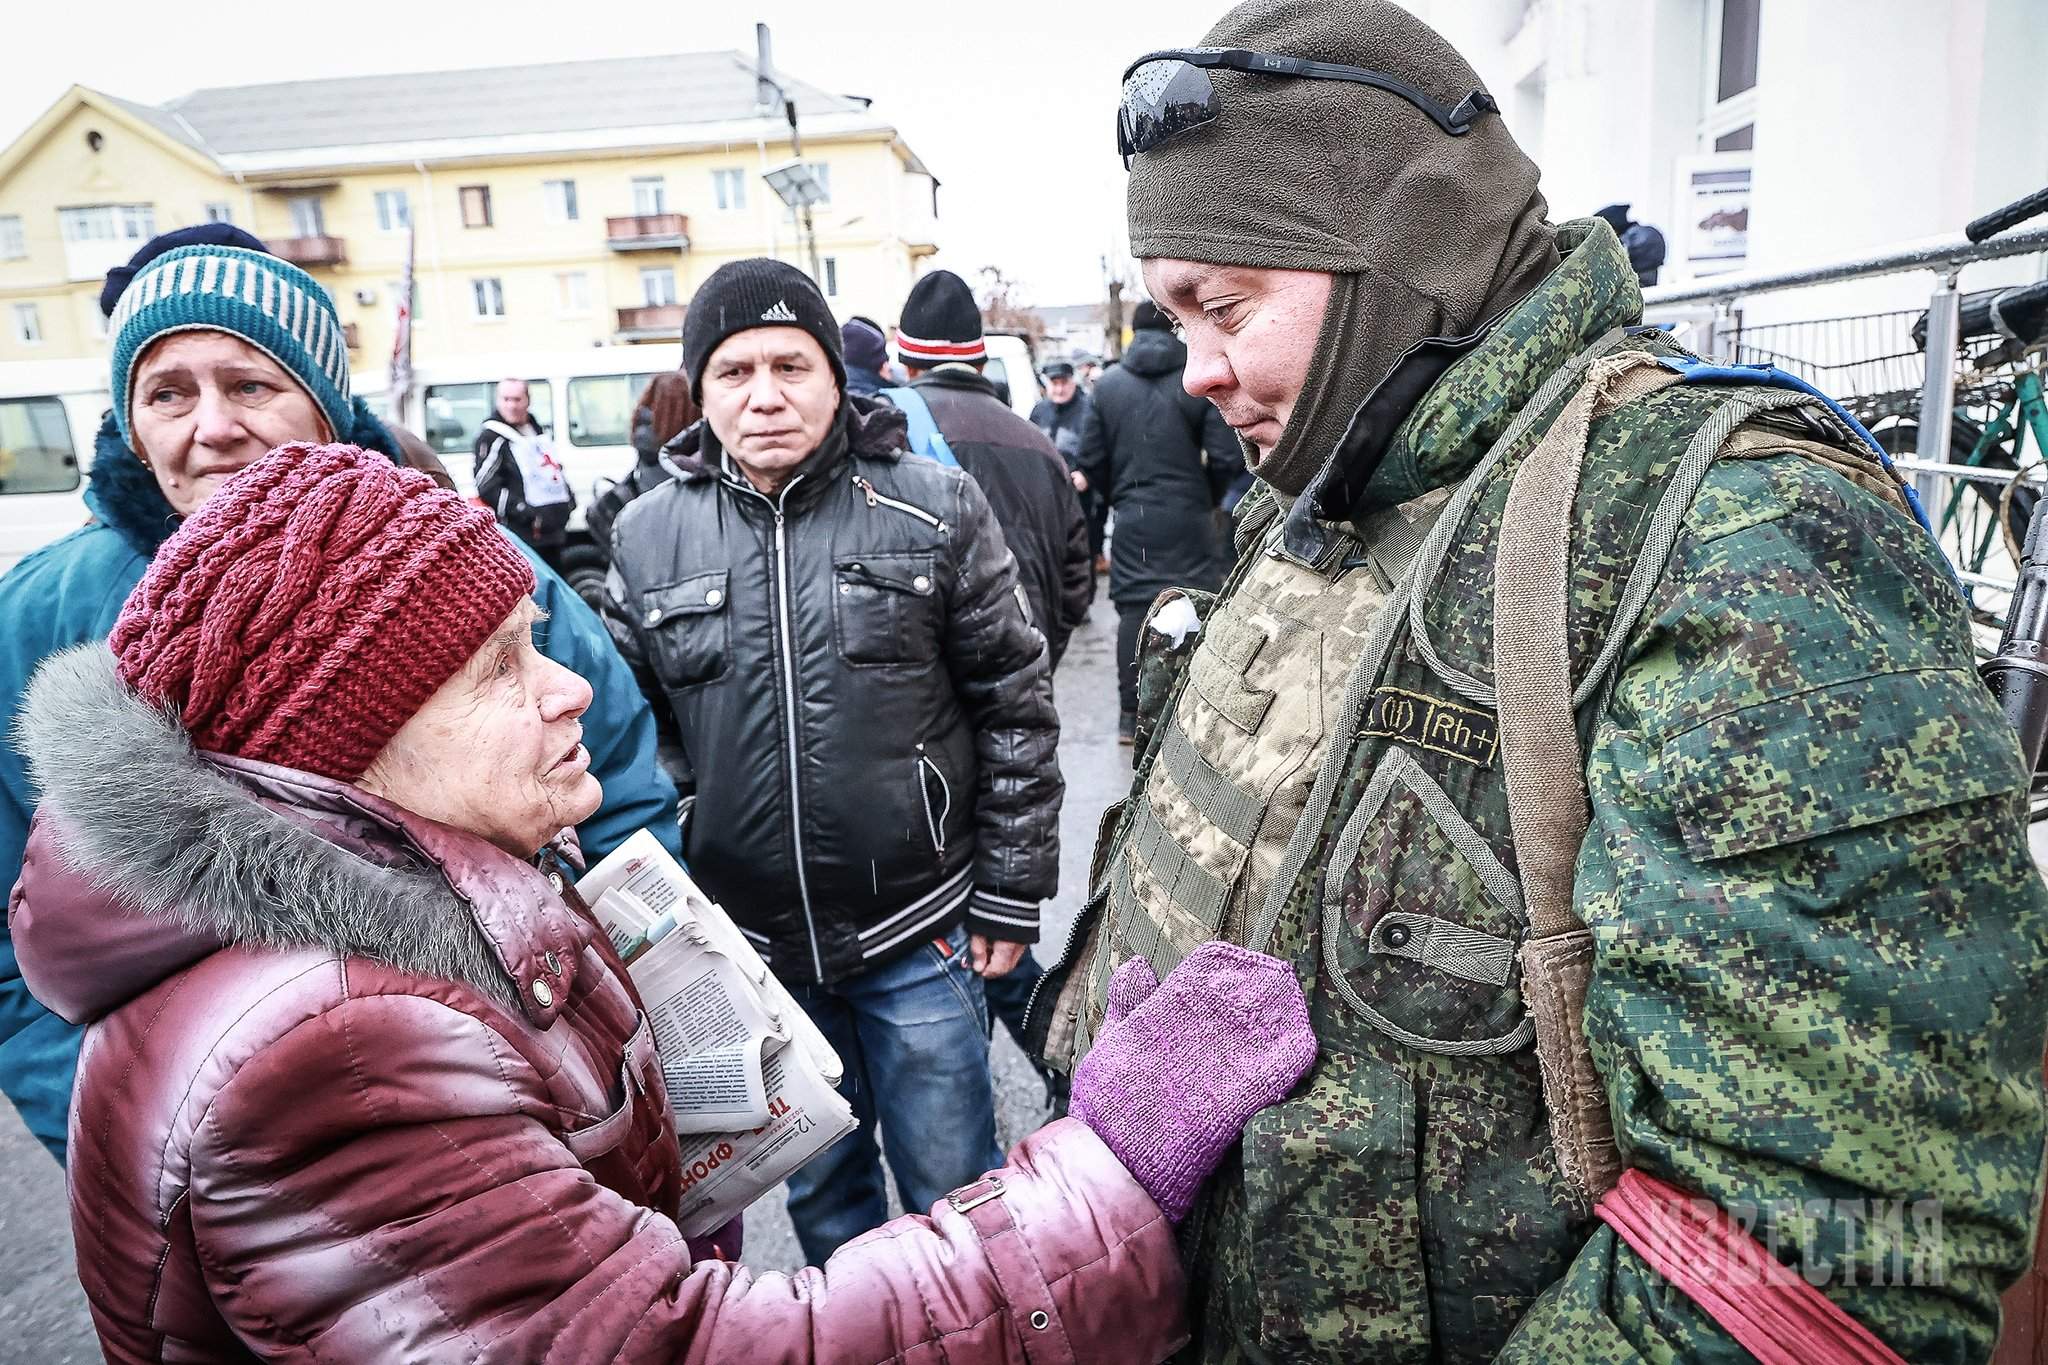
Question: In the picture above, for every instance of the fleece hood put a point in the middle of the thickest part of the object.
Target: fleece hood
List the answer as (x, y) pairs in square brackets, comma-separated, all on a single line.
[(1429, 235)]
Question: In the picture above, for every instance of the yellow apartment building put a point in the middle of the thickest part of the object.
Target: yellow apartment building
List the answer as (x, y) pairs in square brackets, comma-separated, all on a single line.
[(562, 205)]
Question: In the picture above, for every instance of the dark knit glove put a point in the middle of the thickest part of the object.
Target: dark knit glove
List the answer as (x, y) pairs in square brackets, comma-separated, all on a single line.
[(1181, 1066)]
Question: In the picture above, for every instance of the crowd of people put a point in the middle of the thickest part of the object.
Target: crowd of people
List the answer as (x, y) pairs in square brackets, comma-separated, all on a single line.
[(1570, 859)]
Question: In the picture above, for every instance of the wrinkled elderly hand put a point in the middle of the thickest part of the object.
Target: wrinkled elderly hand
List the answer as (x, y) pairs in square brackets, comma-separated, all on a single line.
[(1181, 1066)]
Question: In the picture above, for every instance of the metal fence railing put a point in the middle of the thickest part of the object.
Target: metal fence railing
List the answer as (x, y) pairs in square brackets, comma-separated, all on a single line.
[(1936, 385)]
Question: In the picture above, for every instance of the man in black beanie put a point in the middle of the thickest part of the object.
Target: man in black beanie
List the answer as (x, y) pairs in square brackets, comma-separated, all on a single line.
[(862, 724), (939, 340), (1568, 720)]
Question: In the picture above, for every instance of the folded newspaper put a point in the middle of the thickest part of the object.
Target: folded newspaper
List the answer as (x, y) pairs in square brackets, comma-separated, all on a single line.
[(750, 1078)]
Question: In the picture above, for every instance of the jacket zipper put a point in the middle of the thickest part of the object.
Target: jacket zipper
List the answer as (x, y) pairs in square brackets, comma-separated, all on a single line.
[(883, 499), (796, 799), (788, 652)]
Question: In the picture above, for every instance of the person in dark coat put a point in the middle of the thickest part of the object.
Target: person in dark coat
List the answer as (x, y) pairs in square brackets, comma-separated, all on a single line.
[(1062, 415), (940, 343), (1643, 243), (863, 714), (1164, 460), (867, 356)]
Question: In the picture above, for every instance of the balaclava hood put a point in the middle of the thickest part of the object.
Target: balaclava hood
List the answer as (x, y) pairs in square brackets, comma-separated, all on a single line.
[(1429, 235)]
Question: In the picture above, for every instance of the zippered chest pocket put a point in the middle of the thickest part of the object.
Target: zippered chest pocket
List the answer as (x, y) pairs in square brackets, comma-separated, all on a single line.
[(885, 607), (688, 629)]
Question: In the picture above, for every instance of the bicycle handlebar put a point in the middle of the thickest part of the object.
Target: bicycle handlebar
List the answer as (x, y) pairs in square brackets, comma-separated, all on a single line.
[(2011, 216)]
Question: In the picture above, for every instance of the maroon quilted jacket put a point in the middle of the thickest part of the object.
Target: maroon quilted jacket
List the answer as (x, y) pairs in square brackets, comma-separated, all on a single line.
[(359, 1087)]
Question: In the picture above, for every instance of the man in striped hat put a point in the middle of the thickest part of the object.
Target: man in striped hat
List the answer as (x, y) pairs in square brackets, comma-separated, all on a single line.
[(939, 341)]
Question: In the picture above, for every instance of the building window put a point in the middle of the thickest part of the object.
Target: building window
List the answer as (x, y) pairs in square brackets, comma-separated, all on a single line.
[(572, 293), (476, 205), (308, 218), (560, 198), (28, 324), (394, 211), (831, 264), (1741, 25), (730, 188), (13, 244), (219, 212), (1729, 73), (488, 295), (108, 223), (650, 195), (658, 286)]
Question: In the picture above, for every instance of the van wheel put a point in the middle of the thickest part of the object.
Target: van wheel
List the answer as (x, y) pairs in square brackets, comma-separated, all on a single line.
[(583, 568)]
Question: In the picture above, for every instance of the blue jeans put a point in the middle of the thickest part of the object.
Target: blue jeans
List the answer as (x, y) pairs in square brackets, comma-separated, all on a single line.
[(913, 1034)]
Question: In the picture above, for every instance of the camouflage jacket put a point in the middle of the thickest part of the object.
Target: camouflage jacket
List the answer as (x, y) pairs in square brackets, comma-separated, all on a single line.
[(1821, 943)]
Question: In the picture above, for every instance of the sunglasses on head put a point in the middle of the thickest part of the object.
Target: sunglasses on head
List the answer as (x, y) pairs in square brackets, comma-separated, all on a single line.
[(1169, 93)]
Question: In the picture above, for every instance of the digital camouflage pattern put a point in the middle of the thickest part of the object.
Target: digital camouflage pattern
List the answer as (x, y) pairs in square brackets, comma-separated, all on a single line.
[(1821, 944)]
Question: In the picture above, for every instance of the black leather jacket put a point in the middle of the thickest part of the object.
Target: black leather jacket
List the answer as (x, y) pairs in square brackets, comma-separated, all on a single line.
[(863, 709)]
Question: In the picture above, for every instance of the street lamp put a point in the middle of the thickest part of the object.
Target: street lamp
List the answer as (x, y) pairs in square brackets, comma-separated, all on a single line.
[(795, 183)]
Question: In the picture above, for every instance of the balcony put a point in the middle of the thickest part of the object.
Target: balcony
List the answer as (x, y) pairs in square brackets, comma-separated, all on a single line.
[(348, 335), (652, 322), (311, 253), (648, 232)]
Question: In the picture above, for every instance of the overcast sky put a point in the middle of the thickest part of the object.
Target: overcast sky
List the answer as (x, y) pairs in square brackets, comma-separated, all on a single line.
[(1012, 106)]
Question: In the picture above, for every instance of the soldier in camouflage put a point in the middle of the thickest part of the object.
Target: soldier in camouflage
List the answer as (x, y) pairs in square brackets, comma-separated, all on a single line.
[(1820, 947)]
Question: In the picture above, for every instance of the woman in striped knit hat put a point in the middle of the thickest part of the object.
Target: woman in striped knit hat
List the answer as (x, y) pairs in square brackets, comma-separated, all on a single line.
[(221, 352)]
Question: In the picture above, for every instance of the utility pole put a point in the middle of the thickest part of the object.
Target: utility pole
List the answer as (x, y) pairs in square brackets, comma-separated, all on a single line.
[(1113, 322), (769, 92)]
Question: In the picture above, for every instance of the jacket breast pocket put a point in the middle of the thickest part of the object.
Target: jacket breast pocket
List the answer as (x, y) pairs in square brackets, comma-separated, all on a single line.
[(885, 607), (1422, 923), (688, 628)]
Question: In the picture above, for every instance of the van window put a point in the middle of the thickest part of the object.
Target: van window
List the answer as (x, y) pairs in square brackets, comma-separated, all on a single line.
[(36, 455), (457, 412), (996, 372), (601, 408)]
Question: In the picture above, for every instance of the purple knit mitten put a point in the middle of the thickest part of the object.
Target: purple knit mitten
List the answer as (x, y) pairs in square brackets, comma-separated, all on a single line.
[(1181, 1066)]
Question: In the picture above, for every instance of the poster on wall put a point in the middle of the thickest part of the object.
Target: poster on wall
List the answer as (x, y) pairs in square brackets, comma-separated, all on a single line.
[(1713, 199)]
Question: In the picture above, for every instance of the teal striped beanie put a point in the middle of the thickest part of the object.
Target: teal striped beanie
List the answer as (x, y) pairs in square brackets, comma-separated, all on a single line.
[(269, 303)]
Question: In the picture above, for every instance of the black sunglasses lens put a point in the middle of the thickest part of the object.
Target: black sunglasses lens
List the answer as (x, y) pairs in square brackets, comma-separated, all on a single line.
[(1161, 100)]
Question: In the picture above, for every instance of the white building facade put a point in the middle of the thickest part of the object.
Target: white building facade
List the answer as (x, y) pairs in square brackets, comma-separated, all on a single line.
[(1768, 134)]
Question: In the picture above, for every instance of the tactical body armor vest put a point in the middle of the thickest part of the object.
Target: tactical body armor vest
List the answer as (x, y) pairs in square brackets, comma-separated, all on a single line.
[(1327, 786)]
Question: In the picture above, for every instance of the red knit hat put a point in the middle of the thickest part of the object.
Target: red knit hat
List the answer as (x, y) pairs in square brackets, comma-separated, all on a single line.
[(313, 605)]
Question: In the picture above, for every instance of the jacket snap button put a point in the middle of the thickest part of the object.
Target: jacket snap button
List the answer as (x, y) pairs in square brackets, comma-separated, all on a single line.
[(554, 963), (1397, 935), (845, 588), (653, 617), (713, 598), (921, 583), (1039, 1320), (543, 994)]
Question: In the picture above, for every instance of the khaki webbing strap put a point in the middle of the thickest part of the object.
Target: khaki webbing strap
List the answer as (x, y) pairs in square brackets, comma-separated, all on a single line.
[(1532, 665), (1542, 762)]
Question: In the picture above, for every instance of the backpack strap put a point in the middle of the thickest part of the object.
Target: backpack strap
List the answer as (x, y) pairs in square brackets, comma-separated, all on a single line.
[(925, 437), (1540, 757)]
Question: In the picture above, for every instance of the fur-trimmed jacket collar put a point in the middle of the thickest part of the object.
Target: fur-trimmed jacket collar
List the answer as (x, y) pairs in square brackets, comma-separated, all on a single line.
[(148, 855)]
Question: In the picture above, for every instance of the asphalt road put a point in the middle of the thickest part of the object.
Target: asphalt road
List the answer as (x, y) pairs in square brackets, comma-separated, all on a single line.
[(42, 1310)]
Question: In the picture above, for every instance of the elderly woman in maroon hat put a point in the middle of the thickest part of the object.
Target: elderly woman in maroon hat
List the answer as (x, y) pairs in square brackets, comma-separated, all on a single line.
[(363, 1080)]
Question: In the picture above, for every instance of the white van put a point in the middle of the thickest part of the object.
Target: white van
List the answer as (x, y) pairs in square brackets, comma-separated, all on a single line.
[(583, 398), (49, 413), (1011, 363)]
